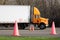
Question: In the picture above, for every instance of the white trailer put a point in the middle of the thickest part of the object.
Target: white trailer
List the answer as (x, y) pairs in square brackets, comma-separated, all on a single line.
[(10, 13)]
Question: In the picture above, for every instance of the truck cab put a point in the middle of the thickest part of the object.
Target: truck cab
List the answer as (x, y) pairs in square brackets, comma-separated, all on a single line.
[(37, 19)]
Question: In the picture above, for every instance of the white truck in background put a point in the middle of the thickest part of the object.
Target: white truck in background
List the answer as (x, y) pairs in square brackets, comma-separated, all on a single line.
[(21, 13)]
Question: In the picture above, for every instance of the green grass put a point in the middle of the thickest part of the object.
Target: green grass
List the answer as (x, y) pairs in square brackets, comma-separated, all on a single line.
[(28, 38)]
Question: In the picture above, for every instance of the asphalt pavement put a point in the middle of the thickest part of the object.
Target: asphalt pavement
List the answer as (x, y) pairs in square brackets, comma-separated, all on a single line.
[(42, 33)]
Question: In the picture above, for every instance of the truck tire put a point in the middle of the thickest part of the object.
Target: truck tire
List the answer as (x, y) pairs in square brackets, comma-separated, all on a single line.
[(42, 26), (21, 26)]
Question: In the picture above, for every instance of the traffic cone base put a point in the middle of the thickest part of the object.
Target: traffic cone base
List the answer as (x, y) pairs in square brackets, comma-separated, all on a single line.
[(53, 30), (16, 35)]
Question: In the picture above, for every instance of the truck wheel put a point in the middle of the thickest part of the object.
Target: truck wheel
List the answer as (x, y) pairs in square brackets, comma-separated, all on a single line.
[(42, 26), (21, 26)]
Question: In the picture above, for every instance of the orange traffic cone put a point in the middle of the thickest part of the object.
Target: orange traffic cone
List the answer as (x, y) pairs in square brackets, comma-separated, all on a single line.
[(53, 30), (31, 28), (15, 31)]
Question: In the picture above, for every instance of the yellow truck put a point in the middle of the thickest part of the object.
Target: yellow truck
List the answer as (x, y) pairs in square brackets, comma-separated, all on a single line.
[(41, 22), (23, 14)]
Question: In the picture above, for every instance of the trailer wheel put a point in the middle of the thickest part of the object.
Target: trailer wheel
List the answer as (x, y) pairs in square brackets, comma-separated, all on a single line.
[(42, 26), (21, 26)]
